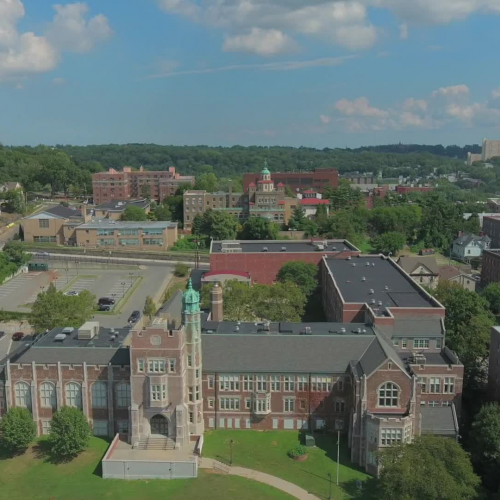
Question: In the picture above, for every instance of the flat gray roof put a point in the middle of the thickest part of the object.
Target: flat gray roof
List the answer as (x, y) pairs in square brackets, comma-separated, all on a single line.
[(439, 420), (357, 277), (121, 205), (291, 246), (110, 224)]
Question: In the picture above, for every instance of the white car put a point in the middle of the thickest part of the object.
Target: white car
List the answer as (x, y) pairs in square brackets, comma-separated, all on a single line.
[(73, 293)]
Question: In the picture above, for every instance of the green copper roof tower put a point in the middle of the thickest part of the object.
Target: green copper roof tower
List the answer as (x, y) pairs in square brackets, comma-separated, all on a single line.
[(191, 300)]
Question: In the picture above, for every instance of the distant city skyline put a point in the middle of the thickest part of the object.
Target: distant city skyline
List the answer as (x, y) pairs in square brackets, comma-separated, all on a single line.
[(317, 73)]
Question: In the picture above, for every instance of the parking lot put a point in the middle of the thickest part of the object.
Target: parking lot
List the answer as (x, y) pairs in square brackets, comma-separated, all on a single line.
[(20, 292)]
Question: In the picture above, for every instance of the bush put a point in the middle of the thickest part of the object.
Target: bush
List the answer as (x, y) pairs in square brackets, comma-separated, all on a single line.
[(69, 433), (181, 270), (18, 429), (297, 451)]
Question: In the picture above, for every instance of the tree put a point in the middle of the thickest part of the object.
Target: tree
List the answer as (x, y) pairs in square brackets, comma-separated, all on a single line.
[(298, 218), (133, 213), (259, 228), (14, 201), (279, 302), (207, 182), (149, 308), (485, 445), (344, 196), (289, 193), (69, 433), (15, 251), (17, 430), (304, 275), (432, 467), (390, 242), (492, 294), (53, 309), (162, 212), (219, 225), (181, 270), (237, 297)]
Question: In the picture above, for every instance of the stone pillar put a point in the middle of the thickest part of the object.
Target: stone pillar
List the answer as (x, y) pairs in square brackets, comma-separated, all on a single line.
[(34, 398), (111, 402), (217, 303), (59, 387)]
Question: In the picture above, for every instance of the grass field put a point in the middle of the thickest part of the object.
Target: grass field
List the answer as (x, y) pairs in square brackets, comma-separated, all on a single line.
[(31, 476), (266, 451)]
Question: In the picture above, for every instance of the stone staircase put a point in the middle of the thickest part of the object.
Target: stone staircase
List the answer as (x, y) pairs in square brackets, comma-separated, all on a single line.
[(156, 443)]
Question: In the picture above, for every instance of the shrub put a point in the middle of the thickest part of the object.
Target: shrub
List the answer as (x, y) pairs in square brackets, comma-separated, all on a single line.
[(18, 429), (181, 270), (297, 451), (69, 433)]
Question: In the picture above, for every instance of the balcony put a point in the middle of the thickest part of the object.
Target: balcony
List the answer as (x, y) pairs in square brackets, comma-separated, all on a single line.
[(261, 403)]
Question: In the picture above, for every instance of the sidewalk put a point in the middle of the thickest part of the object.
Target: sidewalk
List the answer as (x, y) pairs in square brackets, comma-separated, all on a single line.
[(261, 477)]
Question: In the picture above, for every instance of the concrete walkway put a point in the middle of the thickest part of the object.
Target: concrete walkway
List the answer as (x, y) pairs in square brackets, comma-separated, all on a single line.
[(261, 477)]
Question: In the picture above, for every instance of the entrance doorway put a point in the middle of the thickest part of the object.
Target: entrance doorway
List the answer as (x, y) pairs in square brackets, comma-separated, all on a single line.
[(159, 425)]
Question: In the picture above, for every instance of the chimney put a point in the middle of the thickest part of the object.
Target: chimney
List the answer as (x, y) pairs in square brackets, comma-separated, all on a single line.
[(217, 304)]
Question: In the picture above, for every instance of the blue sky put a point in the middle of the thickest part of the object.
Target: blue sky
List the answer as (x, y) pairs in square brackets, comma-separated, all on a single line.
[(318, 73)]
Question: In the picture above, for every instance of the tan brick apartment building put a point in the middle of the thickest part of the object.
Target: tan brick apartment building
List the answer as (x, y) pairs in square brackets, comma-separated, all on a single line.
[(128, 184)]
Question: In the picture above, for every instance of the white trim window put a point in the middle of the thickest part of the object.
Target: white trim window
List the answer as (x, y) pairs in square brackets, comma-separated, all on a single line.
[(248, 404), (156, 392), (46, 427), (421, 343), (48, 398), (248, 383), (210, 403), (408, 433), (74, 395), (390, 436), (261, 383), (100, 428), (434, 385), (229, 403), (156, 365), (211, 381), (423, 384), (141, 365), (439, 343), (320, 383), (404, 343), (302, 383), (23, 395), (449, 385), (100, 395), (275, 382), (289, 383), (262, 405), (288, 405), (388, 395), (123, 395), (229, 382), (171, 365)]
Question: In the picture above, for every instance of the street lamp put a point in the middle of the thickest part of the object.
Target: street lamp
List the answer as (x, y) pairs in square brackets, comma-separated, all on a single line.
[(76, 262), (330, 478), (131, 278), (231, 449), (123, 289)]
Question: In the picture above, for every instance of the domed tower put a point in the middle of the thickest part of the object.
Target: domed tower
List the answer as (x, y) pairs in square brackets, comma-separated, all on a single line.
[(266, 184), (192, 361)]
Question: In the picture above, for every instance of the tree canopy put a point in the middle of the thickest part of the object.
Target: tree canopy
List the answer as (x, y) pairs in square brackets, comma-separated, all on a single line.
[(219, 225), (69, 433), (17, 429), (133, 213), (302, 274), (259, 228), (389, 243)]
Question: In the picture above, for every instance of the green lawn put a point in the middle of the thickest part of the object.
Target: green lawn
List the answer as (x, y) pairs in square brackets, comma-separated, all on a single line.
[(32, 477), (266, 451)]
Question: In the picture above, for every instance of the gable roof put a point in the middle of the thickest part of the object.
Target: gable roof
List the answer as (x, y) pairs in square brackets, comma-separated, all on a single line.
[(64, 212), (409, 263), (468, 238)]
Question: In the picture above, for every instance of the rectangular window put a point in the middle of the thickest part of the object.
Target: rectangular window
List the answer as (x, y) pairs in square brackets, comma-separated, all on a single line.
[(211, 382), (275, 382), (122, 426), (197, 373), (171, 365), (106, 242), (43, 223), (47, 395), (302, 383), (248, 404), (123, 395), (449, 385), (156, 365), (390, 436), (191, 417), (105, 232), (434, 385), (211, 403), (408, 433), (434, 403), (288, 405), (44, 239), (141, 365), (127, 242), (439, 343), (421, 343), (404, 343), (100, 428), (423, 384), (321, 383), (191, 394), (45, 427), (289, 383), (395, 342), (155, 392), (129, 232), (248, 383), (340, 384), (197, 395), (302, 404), (229, 403), (190, 360), (100, 395), (229, 383), (74, 395), (339, 406), (153, 241), (261, 382)]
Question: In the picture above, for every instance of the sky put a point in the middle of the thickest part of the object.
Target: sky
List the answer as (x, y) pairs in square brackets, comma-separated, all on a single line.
[(317, 73)]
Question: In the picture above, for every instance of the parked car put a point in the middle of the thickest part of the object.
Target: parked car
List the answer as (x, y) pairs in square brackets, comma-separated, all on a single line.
[(134, 317), (106, 300), (18, 336), (72, 293), (104, 307), (2, 335)]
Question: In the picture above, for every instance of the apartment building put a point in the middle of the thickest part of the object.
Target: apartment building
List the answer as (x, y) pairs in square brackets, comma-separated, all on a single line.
[(490, 149), (128, 184)]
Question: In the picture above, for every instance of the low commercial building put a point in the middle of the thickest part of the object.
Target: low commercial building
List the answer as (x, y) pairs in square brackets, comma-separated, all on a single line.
[(152, 236)]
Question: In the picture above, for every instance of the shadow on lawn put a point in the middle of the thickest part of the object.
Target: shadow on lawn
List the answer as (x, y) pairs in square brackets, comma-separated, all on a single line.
[(366, 491)]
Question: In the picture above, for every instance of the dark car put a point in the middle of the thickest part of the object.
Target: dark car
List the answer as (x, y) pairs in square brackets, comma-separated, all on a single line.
[(18, 336), (134, 317), (104, 307), (106, 300)]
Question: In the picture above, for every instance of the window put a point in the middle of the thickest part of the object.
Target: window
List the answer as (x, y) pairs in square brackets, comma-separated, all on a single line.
[(23, 395), (211, 382), (302, 404), (248, 383), (275, 383), (261, 381), (100, 428), (129, 232), (321, 384), (388, 395), (289, 405), (100, 395), (197, 373), (289, 383), (404, 343), (153, 241), (339, 406), (229, 383), (449, 385), (262, 405), (439, 343), (43, 223), (434, 403), (229, 403), (74, 395), (156, 365), (434, 385), (190, 360), (156, 392), (421, 343), (248, 404), (408, 433), (141, 365), (129, 241), (302, 383), (395, 342), (48, 396), (390, 436), (423, 384), (122, 426), (106, 242), (45, 427), (211, 403), (123, 395), (171, 365), (44, 239), (197, 393), (191, 417), (191, 394)]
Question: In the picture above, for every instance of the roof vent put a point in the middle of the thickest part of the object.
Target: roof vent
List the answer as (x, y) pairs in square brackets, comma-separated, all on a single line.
[(364, 330), (379, 302), (238, 322), (349, 258), (367, 264), (342, 330), (372, 301), (372, 291), (267, 326), (386, 287), (112, 330), (353, 264), (283, 249), (265, 249), (363, 279), (308, 330), (236, 328), (359, 330), (373, 264), (68, 330), (334, 248)]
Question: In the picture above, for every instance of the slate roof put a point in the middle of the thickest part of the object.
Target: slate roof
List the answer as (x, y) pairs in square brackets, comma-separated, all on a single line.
[(409, 264), (59, 211), (371, 359), (439, 420), (75, 355), (446, 273), (468, 238)]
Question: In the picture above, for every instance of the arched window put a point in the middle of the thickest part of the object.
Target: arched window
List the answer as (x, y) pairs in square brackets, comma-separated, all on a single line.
[(388, 395), (100, 395), (74, 395), (23, 395), (48, 397), (123, 395)]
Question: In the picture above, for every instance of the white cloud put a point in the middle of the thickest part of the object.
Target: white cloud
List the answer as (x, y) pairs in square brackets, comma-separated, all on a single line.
[(359, 107), (495, 93), (454, 90), (24, 54), (325, 119), (415, 104), (261, 42), (403, 31)]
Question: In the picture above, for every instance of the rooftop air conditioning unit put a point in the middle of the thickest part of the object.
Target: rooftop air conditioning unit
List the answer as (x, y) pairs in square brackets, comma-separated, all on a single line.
[(236, 328), (372, 291), (283, 249), (342, 330), (363, 279), (265, 249), (320, 247), (386, 287), (68, 330), (349, 258), (367, 264), (379, 302), (308, 330)]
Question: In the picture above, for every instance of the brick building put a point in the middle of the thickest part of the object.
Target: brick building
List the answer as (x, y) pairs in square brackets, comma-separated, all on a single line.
[(127, 184), (491, 227), (190, 371), (316, 179), (490, 268), (263, 259)]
